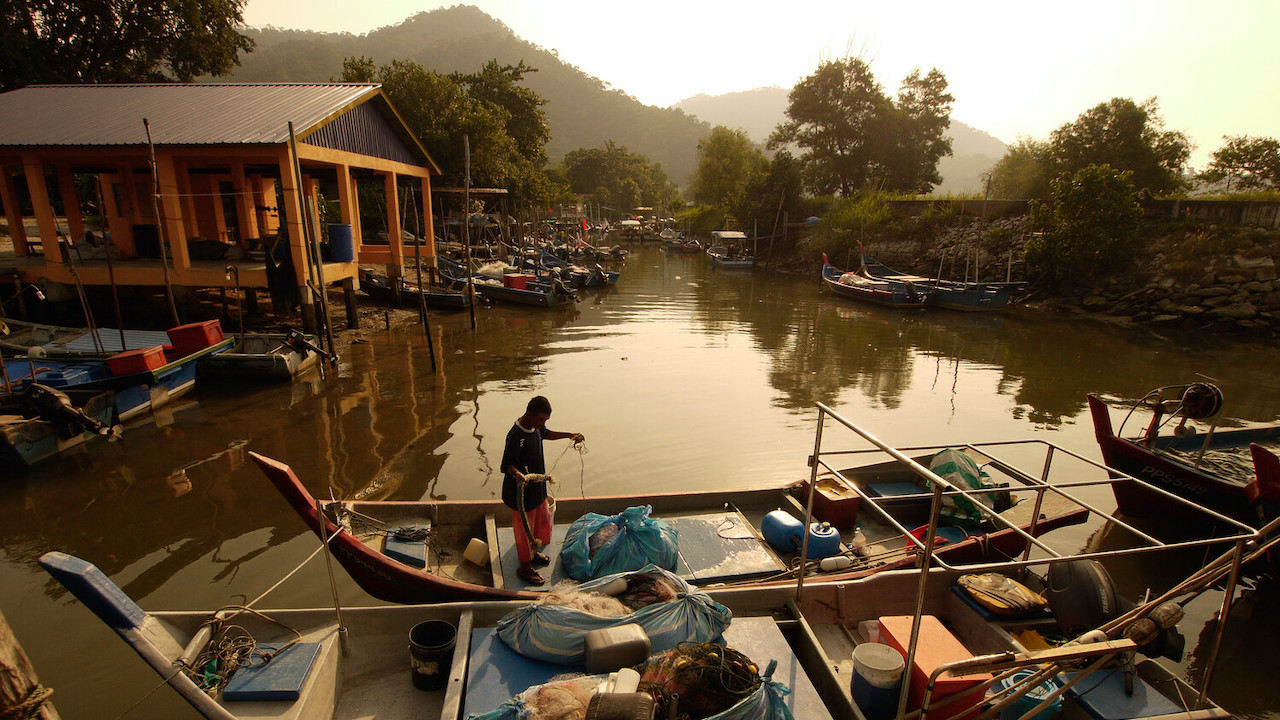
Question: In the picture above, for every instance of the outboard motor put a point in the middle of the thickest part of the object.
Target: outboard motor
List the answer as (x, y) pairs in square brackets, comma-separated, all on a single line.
[(1081, 596), (1196, 401), (56, 407)]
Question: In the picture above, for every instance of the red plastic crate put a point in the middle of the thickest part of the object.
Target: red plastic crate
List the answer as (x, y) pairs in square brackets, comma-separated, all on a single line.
[(136, 361), (516, 281), (194, 337), (936, 646)]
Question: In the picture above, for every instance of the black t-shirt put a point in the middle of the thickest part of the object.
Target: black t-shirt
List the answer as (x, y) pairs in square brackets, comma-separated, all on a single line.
[(524, 450)]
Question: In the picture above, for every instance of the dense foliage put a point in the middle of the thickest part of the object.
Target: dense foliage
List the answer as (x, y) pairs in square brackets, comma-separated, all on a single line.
[(1089, 227), (726, 161), (1251, 163), (105, 41), (1120, 133), (616, 178), (503, 121), (853, 137)]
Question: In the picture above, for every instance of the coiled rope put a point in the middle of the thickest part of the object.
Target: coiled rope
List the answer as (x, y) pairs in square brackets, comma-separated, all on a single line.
[(30, 706)]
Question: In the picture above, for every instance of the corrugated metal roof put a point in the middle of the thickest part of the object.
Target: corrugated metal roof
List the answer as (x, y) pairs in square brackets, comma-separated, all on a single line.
[(179, 114)]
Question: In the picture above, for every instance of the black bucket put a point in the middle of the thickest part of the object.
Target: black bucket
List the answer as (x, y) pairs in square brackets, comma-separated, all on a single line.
[(431, 653)]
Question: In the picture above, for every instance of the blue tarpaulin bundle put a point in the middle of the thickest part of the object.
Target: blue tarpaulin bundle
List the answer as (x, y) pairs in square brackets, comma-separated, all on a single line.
[(557, 633), (592, 548)]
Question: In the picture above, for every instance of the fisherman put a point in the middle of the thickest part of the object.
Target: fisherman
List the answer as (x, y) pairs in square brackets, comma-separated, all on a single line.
[(522, 457)]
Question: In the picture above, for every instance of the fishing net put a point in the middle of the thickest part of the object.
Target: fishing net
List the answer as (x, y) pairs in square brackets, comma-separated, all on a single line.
[(565, 697), (667, 608), (704, 681), (599, 545)]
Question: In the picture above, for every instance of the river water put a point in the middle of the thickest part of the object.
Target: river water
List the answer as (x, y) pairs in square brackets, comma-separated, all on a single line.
[(682, 377)]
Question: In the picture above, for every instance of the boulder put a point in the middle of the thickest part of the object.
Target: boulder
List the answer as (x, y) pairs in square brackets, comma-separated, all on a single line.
[(1238, 311)]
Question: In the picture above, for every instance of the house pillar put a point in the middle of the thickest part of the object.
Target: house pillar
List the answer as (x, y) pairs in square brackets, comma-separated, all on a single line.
[(171, 217), (246, 214), (13, 213), (70, 202), (395, 238), (43, 209)]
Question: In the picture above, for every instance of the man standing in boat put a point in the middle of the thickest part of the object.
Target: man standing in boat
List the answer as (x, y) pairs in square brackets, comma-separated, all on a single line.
[(522, 457)]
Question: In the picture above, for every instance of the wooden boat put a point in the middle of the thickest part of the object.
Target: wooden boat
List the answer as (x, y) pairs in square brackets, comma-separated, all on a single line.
[(140, 380), (1209, 469), (957, 657), (577, 276), (252, 356), (515, 288), (893, 499), (29, 434), (273, 357), (890, 293), (406, 293), (59, 341), (721, 257), (950, 294)]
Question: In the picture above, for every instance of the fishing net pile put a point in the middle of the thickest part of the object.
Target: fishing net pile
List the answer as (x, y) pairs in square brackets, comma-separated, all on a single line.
[(691, 681), (667, 608), (598, 545)]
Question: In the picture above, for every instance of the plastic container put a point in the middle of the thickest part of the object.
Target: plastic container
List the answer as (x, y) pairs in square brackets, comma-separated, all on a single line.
[(431, 653), (136, 361), (824, 542), (341, 247), (877, 677), (613, 648), (782, 531), (194, 337), (835, 503), (936, 646), (477, 552), (515, 281), (1034, 697)]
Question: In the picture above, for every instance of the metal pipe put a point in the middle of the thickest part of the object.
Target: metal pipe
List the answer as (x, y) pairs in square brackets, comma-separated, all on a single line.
[(333, 583), (808, 510), (155, 208), (1228, 595)]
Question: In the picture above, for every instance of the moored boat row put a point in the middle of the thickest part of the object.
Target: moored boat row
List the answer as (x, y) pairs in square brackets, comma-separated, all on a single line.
[(923, 640)]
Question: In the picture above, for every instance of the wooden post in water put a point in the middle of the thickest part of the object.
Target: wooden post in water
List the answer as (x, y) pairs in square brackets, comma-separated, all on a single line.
[(160, 226), (466, 225), (21, 694)]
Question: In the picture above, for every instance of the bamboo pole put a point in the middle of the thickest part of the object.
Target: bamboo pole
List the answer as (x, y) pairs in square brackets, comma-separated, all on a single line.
[(422, 292), (312, 241), (111, 268), (155, 208), (466, 225)]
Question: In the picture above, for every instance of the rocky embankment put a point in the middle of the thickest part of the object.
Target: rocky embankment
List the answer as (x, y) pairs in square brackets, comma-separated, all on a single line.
[(1238, 295), (1234, 293)]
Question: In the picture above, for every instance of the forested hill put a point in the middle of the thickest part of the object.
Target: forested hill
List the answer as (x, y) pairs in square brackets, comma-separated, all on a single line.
[(582, 110)]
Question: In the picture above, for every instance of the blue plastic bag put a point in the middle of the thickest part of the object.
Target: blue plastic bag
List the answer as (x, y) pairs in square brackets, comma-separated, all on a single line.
[(639, 541), (558, 634)]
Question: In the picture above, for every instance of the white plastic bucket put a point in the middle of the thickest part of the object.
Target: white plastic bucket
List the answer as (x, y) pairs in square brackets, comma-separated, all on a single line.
[(877, 674), (477, 552)]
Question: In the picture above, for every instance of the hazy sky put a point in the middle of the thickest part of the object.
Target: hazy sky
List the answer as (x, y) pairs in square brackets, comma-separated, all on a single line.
[(1015, 68)]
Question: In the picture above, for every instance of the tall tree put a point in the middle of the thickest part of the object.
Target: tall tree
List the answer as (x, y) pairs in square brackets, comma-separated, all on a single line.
[(1126, 136), (836, 117), (101, 41), (505, 124), (854, 137), (726, 161), (919, 125), (1252, 163), (775, 190)]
